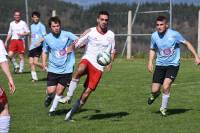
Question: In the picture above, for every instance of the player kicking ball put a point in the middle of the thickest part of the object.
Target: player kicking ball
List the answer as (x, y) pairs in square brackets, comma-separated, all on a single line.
[(96, 40), (165, 45)]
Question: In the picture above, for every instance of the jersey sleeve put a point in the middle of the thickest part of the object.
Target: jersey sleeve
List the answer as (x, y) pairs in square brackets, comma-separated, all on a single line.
[(83, 39), (45, 47), (153, 43), (26, 28), (180, 38), (10, 29), (3, 52), (43, 30)]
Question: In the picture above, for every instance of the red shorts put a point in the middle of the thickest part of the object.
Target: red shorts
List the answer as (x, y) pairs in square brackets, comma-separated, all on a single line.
[(3, 99), (93, 75), (17, 46)]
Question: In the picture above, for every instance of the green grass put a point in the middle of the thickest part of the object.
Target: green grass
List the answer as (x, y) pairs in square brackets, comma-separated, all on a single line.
[(119, 104)]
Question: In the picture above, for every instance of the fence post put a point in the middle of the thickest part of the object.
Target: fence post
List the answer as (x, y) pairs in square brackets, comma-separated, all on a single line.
[(53, 13), (129, 37)]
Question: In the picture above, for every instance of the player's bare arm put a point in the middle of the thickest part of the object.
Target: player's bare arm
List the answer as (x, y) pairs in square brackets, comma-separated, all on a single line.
[(6, 70), (151, 58), (192, 50)]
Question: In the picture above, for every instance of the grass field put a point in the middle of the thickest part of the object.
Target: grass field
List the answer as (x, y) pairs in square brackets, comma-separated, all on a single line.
[(118, 105)]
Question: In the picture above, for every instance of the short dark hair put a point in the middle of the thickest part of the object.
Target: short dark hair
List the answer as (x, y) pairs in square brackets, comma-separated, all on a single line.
[(36, 13), (162, 18), (103, 13), (55, 20)]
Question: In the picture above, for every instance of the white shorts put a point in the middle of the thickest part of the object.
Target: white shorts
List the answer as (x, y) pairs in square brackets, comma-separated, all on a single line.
[(3, 58)]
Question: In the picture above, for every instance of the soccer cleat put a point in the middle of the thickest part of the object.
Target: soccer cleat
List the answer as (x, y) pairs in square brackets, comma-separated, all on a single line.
[(65, 100), (47, 101), (20, 71), (68, 116), (153, 97), (163, 111), (52, 113), (16, 69)]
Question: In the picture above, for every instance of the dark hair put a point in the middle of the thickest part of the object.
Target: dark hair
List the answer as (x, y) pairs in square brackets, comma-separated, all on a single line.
[(162, 18), (55, 20), (35, 13), (103, 13)]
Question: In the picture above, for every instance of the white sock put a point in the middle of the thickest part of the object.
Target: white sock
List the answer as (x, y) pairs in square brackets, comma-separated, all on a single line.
[(165, 99), (34, 75), (55, 103), (14, 62), (21, 65), (4, 124), (72, 87)]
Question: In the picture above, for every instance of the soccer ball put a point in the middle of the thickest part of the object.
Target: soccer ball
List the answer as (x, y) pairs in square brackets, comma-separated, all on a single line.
[(103, 59)]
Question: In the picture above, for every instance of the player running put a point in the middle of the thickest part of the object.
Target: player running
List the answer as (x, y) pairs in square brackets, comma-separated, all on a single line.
[(97, 39), (4, 111), (18, 29), (38, 31), (60, 63), (165, 45)]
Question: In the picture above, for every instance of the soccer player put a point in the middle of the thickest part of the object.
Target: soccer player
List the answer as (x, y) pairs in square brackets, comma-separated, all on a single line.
[(18, 29), (38, 31), (165, 45), (60, 63), (96, 40), (4, 111)]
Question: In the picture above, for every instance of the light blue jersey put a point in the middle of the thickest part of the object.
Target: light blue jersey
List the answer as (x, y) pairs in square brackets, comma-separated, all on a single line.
[(59, 61), (38, 31), (167, 47)]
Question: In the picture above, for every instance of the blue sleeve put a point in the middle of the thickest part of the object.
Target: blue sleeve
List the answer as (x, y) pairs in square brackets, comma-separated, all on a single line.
[(43, 30), (179, 38), (72, 36), (153, 43), (45, 47)]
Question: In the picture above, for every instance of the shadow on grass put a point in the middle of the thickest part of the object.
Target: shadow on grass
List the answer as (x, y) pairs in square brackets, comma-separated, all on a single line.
[(175, 111), (115, 115), (64, 111)]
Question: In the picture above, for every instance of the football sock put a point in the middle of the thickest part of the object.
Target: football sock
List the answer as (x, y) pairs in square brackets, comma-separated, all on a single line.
[(165, 99), (155, 94), (34, 75), (72, 87), (21, 65), (13, 60), (4, 124), (75, 108), (55, 103)]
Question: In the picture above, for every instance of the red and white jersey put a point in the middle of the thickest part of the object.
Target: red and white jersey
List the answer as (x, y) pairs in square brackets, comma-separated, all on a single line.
[(18, 28), (3, 52), (96, 43)]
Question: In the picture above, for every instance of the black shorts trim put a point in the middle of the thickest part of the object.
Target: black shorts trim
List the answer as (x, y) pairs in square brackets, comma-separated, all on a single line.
[(53, 79), (36, 52), (162, 72)]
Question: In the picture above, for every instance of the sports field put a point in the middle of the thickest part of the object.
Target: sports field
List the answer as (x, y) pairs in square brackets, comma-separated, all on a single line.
[(119, 105)]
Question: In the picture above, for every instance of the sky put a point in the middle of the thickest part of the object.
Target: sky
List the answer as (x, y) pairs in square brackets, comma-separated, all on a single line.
[(86, 3)]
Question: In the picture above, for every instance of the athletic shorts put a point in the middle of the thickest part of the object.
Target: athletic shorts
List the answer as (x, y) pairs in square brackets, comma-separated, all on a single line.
[(3, 99), (93, 75), (17, 46), (36, 52), (162, 72), (53, 79)]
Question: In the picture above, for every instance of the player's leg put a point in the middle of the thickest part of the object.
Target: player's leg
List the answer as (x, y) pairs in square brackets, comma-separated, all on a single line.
[(81, 70), (4, 120), (32, 66), (158, 78), (21, 51), (62, 84), (93, 78), (51, 88), (4, 113), (171, 74), (12, 49)]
